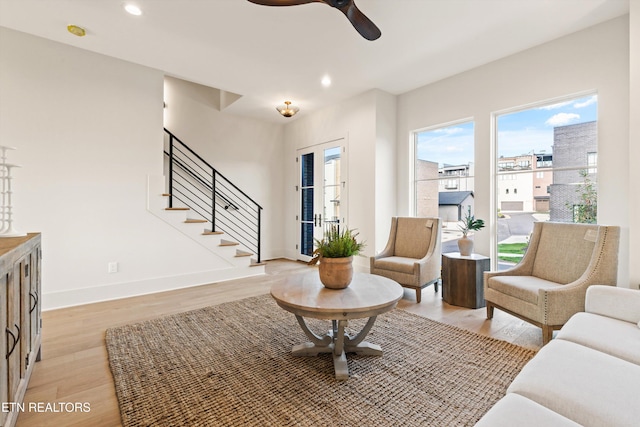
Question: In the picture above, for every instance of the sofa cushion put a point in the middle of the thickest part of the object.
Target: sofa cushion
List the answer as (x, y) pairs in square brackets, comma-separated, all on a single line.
[(524, 288), (615, 337), (396, 263), (585, 385), (612, 301), (515, 410)]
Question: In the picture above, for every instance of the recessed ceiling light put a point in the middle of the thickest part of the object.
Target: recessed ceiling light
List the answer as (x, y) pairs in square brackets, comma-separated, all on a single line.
[(133, 9), (326, 81)]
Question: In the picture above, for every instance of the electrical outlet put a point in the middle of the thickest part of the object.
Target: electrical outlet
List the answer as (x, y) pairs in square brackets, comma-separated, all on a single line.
[(112, 267)]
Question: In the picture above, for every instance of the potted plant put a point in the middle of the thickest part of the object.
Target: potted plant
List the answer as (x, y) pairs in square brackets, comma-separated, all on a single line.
[(335, 253), (469, 223)]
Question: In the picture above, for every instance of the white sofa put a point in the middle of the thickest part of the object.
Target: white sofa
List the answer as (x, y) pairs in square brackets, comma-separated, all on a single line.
[(588, 375)]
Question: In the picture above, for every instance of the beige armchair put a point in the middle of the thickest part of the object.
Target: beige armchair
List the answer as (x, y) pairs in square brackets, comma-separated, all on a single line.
[(412, 255), (549, 285)]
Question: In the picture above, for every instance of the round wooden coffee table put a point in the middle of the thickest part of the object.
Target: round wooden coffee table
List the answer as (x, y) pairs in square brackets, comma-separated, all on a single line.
[(367, 296)]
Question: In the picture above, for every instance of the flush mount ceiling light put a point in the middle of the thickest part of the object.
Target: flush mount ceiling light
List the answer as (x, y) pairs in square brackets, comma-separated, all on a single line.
[(133, 9), (287, 110), (76, 31)]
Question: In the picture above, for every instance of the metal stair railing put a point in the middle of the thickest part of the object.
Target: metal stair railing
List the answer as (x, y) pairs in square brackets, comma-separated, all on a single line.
[(194, 183)]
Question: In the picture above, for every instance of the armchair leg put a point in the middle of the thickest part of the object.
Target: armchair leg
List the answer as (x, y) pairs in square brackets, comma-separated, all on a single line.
[(418, 295), (547, 334), (489, 310), (435, 285)]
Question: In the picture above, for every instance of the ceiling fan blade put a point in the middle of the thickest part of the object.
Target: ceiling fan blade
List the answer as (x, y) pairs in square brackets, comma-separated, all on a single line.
[(360, 22), (282, 2)]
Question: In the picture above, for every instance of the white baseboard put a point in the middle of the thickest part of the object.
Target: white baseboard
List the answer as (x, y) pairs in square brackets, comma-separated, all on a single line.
[(113, 291)]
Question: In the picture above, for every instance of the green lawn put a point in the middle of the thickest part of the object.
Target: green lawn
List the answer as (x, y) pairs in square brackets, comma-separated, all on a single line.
[(511, 248)]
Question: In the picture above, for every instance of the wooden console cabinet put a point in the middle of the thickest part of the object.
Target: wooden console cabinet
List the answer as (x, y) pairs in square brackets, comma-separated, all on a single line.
[(20, 319), (462, 279)]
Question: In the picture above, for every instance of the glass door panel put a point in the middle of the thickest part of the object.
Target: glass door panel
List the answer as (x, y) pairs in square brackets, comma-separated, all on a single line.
[(322, 190), (307, 220), (331, 187)]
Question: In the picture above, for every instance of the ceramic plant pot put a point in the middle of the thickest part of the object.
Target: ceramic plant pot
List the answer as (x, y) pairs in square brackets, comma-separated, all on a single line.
[(336, 273), (465, 245)]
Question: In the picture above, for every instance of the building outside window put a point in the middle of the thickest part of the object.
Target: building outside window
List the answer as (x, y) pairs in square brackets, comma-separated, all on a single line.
[(444, 176), (552, 151)]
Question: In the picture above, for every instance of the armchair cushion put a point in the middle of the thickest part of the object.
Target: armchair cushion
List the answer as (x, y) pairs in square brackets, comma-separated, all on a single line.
[(412, 237), (564, 253), (397, 263), (524, 288)]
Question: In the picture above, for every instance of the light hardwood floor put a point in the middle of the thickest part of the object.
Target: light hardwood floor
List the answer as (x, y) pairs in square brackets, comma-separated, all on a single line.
[(74, 366)]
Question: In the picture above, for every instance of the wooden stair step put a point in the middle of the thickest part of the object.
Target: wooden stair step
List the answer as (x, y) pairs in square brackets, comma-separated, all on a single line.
[(166, 195), (212, 233), (195, 221), (240, 253), (255, 263), (228, 243), (177, 209)]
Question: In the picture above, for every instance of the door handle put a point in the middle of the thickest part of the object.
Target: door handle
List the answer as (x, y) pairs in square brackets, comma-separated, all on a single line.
[(15, 339), (34, 297)]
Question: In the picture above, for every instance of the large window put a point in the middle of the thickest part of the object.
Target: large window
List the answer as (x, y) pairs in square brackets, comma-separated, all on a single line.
[(546, 170), (444, 175)]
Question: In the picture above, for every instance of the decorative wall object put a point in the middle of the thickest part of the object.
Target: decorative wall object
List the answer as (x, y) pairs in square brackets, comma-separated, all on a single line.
[(6, 210)]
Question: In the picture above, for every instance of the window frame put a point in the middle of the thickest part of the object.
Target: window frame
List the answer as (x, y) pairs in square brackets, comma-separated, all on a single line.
[(413, 199)]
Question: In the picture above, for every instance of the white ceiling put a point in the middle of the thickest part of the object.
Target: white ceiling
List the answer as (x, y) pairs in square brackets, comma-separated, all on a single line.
[(272, 54)]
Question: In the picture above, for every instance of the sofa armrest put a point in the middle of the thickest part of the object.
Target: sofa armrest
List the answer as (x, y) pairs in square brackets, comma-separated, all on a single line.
[(611, 301)]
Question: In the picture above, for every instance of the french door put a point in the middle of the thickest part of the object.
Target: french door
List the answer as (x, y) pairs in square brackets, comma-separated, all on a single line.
[(322, 190)]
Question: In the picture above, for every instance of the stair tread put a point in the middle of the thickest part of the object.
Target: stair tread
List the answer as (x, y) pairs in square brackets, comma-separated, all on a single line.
[(209, 232), (228, 243), (257, 264), (195, 221), (240, 253), (177, 209)]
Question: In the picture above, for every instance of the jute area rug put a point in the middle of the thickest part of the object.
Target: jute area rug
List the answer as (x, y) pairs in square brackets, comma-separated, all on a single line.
[(231, 365)]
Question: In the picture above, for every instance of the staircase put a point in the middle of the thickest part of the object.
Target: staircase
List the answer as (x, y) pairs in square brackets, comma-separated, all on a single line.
[(202, 204)]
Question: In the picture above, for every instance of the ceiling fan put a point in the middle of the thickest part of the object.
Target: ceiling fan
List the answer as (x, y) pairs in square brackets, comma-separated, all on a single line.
[(361, 23)]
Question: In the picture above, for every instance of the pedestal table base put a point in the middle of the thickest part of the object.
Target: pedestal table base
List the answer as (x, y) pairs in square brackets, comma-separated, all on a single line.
[(338, 343)]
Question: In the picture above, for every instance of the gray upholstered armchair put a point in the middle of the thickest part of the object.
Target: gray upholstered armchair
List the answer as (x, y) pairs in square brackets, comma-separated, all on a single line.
[(549, 285), (412, 255)]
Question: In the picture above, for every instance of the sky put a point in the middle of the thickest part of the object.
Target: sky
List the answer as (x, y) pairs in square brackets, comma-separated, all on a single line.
[(519, 132)]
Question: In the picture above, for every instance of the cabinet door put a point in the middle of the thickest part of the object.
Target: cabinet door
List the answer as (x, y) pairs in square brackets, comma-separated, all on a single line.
[(4, 371), (13, 330), (25, 315), (35, 309)]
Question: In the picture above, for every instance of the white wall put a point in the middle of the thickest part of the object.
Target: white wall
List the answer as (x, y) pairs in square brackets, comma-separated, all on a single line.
[(88, 129), (385, 168), (366, 121), (248, 152), (634, 144), (594, 59)]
